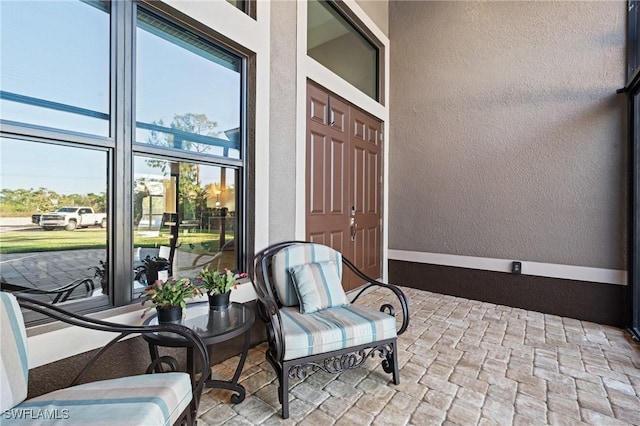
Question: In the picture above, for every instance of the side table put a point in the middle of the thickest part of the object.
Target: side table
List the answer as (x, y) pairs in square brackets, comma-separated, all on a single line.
[(213, 327)]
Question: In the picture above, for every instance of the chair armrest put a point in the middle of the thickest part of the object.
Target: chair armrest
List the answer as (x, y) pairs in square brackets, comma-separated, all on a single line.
[(62, 293), (404, 304), (270, 315), (123, 331), (268, 307)]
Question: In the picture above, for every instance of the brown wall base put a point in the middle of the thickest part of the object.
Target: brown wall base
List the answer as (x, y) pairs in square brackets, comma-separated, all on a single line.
[(595, 302)]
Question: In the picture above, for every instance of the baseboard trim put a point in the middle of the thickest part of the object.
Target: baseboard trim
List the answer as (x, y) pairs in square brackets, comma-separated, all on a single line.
[(550, 270), (587, 301)]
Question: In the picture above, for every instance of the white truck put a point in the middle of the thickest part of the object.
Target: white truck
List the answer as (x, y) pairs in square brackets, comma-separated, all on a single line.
[(71, 218)]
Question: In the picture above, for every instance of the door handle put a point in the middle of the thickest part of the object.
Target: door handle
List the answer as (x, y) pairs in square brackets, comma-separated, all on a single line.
[(354, 227)]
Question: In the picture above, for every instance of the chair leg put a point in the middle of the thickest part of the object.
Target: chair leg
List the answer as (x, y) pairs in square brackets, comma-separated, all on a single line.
[(283, 393), (390, 363), (283, 383), (396, 374)]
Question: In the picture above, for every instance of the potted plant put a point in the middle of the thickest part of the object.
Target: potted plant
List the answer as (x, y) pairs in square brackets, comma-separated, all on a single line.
[(153, 265), (169, 298), (101, 271), (218, 285)]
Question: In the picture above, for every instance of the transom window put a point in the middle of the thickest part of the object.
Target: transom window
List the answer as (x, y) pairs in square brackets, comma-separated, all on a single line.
[(338, 45)]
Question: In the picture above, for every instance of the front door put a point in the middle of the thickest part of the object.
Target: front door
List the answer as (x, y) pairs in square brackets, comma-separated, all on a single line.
[(344, 181)]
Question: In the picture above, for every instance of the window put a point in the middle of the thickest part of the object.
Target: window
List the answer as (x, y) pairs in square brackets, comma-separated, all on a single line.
[(338, 45), (112, 152), (185, 213), (188, 101), (50, 245), (188, 91)]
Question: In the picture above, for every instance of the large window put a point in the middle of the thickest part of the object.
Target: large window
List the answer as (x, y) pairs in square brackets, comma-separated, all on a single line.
[(122, 138), (334, 42)]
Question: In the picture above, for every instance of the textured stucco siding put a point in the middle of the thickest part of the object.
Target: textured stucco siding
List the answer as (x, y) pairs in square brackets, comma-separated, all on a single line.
[(378, 11), (507, 138), (282, 117)]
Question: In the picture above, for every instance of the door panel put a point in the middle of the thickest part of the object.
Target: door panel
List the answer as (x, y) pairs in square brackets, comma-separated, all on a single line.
[(318, 238), (327, 161), (343, 181), (367, 185), (316, 190), (337, 176), (318, 107), (338, 113)]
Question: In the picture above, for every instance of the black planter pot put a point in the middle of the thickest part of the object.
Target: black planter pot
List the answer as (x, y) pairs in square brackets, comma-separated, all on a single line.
[(172, 314), (152, 277), (219, 302)]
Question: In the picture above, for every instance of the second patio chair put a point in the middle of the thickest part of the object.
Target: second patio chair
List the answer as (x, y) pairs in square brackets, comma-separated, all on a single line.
[(311, 324)]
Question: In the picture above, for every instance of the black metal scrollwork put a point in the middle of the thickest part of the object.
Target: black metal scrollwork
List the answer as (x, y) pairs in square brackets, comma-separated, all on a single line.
[(340, 363)]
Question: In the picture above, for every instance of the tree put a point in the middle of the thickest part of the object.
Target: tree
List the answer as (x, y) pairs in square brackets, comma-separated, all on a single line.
[(190, 192)]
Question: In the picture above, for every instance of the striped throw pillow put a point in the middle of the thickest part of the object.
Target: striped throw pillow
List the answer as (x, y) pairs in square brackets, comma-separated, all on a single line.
[(318, 286)]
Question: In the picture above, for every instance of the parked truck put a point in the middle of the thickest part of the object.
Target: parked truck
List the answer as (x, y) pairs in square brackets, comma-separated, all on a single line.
[(71, 218)]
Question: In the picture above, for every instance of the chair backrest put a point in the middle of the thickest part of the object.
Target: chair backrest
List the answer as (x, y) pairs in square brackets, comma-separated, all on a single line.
[(14, 366), (294, 255)]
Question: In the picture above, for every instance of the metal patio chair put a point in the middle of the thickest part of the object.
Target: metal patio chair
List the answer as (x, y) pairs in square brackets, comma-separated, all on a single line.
[(146, 399), (310, 322)]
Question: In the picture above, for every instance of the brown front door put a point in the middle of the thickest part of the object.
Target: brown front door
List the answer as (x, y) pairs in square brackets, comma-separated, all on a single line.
[(343, 182)]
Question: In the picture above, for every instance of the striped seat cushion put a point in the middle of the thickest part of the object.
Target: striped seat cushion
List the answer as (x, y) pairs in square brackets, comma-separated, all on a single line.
[(149, 399), (333, 329), (14, 366), (294, 255)]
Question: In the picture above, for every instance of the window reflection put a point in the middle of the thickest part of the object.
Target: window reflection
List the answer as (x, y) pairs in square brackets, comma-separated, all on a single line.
[(188, 92), (55, 64), (53, 204), (184, 213)]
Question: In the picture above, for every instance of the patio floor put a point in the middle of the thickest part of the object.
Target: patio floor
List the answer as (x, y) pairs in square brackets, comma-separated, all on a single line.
[(462, 362)]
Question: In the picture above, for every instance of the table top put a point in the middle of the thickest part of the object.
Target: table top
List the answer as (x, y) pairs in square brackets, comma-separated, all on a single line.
[(212, 326)]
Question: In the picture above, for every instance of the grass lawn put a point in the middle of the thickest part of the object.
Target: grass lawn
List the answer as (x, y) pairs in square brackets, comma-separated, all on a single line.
[(39, 240)]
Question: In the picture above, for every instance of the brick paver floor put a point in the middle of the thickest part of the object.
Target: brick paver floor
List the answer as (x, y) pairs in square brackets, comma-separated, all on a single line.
[(462, 362)]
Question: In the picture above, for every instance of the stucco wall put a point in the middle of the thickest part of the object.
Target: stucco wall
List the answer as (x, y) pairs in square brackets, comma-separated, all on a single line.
[(378, 11), (282, 130), (507, 137)]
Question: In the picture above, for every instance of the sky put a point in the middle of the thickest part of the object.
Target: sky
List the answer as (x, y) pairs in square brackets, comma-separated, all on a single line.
[(66, 60)]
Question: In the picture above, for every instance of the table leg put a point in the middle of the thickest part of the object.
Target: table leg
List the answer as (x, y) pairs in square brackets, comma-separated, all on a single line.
[(191, 369), (153, 352), (233, 385)]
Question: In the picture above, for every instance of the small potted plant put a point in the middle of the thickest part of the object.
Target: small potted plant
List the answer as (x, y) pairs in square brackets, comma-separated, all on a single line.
[(218, 285), (153, 265), (169, 298), (101, 271)]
